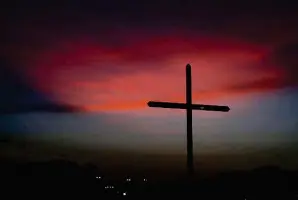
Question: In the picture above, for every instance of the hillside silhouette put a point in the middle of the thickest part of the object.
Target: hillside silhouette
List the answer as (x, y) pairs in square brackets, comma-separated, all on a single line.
[(69, 178)]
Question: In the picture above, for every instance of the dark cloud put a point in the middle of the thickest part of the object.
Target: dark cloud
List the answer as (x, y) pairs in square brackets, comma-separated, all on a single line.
[(246, 19), (18, 96), (264, 84), (283, 61), (33, 26), (285, 57)]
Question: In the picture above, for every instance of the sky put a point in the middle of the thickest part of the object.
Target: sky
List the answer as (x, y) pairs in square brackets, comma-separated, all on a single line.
[(80, 74)]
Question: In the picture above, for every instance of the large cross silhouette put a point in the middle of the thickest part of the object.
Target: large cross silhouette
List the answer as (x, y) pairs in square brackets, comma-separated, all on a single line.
[(189, 107)]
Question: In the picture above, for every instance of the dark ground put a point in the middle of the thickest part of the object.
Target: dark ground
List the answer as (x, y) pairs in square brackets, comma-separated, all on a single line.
[(59, 178)]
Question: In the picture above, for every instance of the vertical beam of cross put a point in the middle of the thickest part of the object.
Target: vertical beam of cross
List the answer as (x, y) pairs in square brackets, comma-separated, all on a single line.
[(190, 165)]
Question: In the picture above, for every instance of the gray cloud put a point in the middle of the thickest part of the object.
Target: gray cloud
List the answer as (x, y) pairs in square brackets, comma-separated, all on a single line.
[(18, 96)]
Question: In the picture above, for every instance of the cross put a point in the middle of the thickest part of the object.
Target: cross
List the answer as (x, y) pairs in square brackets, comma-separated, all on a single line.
[(188, 106)]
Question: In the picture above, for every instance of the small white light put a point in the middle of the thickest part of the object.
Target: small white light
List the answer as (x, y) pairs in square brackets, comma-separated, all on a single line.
[(124, 193), (145, 179)]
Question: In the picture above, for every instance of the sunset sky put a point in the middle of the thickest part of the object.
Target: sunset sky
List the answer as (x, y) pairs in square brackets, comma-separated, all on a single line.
[(82, 73)]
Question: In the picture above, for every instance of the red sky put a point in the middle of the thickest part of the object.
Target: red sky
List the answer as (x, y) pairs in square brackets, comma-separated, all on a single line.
[(98, 77), (114, 55)]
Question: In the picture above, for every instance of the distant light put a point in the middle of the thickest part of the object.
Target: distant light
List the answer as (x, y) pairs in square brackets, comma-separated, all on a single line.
[(98, 177), (128, 179), (109, 186), (145, 179), (124, 193)]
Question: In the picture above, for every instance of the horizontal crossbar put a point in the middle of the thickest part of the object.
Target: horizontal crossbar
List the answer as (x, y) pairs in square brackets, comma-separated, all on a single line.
[(184, 106)]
